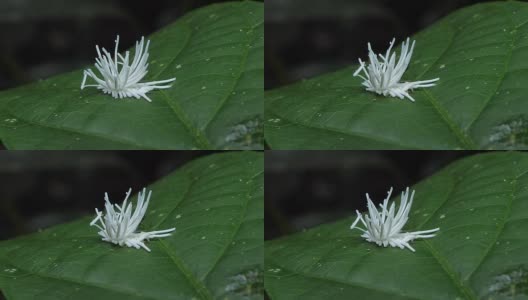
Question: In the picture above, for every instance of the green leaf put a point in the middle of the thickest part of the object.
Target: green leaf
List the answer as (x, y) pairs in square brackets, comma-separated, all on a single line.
[(480, 205), (216, 55), (216, 205), (480, 54)]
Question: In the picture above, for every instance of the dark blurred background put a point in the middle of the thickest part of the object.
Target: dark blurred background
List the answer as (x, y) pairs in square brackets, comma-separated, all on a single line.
[(305, 38), (39, 189), (307, 188), (41, 38)]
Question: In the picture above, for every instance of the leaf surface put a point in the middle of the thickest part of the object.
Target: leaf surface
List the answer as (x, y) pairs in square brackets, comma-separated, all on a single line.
[(216, 55), (480, 54), (216, 205), (480, 205)]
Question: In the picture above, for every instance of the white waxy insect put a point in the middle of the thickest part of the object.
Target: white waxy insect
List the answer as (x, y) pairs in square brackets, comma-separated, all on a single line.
[(118, 224), (384, 226), (120, 78), (382, 76)]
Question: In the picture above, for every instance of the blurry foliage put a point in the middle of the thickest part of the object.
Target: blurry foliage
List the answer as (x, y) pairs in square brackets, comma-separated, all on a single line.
[(305, 38), (307, 188), (43, 188)]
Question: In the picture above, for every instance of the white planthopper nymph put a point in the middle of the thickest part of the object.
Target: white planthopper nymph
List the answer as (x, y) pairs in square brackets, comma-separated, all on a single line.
[(124, 82), (383, 75), (118, 224), (383, 226)]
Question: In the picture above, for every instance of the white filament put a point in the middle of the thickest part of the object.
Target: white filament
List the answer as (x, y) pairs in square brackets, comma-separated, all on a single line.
[(383, 75), (383, 227), (118, 224), (124, 82)]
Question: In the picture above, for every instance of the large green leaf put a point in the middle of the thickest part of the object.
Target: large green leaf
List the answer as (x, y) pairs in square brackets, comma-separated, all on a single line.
[(480, 54), (216, 205), (216, 55), (480, 205)]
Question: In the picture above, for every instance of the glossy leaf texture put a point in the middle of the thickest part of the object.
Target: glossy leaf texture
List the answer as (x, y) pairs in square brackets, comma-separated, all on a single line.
[(480, 54), (216, 252), (216, 55), (480, 205)]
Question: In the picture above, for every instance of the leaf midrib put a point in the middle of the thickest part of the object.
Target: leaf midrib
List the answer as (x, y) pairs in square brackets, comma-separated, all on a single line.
[(197, 283), (460, 134), (501, 227), (181, 117), (235, 232), (507, 64), (457, 131), (513, 175), (197, 135), (464, 138), (444, 263), (243, 70)]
